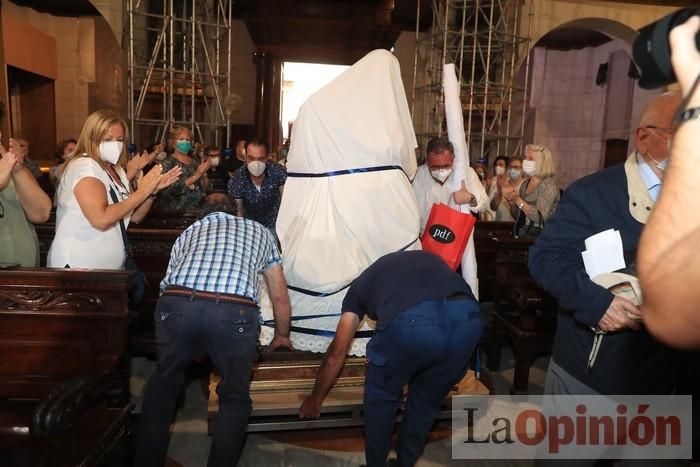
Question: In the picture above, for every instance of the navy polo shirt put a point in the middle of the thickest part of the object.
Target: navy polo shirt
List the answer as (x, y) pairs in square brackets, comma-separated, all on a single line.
[(399, 281), (260, 205)]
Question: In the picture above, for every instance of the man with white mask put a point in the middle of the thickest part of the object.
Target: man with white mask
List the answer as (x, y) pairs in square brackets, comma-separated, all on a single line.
[(257, 187), (432, 185), (629, 360)]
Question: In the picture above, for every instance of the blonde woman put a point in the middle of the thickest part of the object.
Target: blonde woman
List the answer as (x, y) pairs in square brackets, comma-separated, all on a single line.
[(538, 196), (191, 186), (94, 201)]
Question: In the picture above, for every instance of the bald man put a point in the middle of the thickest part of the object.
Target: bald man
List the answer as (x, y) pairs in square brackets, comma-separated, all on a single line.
[(628, 360)]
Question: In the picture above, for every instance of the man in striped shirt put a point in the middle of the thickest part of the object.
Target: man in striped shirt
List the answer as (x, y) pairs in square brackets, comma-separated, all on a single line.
[(208, 304)]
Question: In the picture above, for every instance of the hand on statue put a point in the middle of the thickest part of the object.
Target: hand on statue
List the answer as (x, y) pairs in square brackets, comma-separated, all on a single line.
[(279, 342), (621, 314), (310, 408), (685, 57), (7, 164)]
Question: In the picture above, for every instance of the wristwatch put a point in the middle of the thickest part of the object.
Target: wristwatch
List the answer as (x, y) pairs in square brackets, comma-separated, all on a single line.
[(521, 204)]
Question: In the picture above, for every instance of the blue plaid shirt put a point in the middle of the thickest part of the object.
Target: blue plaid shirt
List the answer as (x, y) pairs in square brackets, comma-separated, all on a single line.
[(222, 253), (260, 205)]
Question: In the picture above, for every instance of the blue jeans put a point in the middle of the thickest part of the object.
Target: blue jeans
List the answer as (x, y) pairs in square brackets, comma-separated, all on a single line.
[(427, 347), (186, 328)]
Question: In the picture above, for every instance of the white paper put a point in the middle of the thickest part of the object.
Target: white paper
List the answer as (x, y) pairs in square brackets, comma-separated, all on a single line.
[(603, 253), (603, 239)]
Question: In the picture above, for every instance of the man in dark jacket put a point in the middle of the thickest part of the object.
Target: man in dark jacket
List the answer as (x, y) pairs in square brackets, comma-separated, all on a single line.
[(428, 325), (628, 360)]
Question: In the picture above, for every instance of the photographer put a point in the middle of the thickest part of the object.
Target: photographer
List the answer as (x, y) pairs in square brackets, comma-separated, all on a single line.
[(669, 254)]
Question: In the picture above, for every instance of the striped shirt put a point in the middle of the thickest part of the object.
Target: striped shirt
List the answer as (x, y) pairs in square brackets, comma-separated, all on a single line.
[(222, 253)]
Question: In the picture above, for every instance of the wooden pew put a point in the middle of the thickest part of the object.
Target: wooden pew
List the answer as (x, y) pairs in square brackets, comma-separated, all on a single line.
[(523, 314), (151, 243), (63, 376), (486, 250)]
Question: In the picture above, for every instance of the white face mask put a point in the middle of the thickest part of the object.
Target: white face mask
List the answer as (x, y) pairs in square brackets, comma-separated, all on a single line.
[(529, 167), (514, 174), (663, 164), (441, 174), (161, 156), (215, 161), (500, 170), (256, 168), (111, 150)]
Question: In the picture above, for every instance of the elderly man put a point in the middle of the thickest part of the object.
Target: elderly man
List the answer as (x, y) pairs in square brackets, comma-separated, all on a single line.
[(257, 187), (600, 347), (22, 202), (428, 325), (208, 305), (432, 185)]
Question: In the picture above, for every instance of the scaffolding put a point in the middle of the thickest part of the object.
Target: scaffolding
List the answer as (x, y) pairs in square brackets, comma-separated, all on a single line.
[(179, 62), (482, 38)]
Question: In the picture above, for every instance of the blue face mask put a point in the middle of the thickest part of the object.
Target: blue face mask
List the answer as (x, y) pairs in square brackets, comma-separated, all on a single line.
[(183, 146)]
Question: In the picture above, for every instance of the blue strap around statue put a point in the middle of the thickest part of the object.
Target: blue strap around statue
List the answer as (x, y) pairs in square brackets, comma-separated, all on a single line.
[(328, 294), (316, 332), (345, 171)]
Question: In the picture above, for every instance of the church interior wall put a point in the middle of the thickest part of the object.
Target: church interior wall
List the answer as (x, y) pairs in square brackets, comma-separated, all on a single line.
[(74, 55)]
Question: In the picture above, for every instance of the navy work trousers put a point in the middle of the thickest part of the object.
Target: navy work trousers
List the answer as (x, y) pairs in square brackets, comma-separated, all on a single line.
[(428, 348), (186, 328)]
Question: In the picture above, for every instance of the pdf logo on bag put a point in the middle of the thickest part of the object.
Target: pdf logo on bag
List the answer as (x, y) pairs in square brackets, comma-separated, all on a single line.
[(447, 233)]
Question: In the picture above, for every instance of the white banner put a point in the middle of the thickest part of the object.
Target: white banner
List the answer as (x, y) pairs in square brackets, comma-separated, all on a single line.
[(572, 427)]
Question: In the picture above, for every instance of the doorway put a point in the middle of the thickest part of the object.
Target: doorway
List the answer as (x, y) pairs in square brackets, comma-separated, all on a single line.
[(299, 81), (32, 112)]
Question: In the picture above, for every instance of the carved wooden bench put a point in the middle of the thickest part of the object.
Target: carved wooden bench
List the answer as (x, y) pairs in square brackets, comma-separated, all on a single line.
[(63, 376), (524, 314)]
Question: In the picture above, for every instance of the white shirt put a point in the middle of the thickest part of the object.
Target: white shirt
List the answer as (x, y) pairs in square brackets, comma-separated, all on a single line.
[(651, 180), (428, 192), (77, 243)]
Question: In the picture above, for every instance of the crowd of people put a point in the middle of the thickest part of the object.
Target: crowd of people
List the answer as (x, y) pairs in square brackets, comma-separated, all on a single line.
[(427, 316)]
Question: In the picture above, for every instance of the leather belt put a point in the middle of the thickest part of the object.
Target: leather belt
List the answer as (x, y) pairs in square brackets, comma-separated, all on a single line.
[(213, 296)]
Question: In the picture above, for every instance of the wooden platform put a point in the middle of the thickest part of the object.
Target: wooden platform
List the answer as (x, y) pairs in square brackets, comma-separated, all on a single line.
[(280, 383)]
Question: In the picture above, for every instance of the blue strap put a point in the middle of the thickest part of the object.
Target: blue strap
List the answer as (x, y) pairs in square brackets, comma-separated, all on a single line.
[(345, 172), (320, 332), (328, 294)]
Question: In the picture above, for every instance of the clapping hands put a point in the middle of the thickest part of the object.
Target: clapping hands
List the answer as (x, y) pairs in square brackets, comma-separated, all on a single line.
[(7, 164)]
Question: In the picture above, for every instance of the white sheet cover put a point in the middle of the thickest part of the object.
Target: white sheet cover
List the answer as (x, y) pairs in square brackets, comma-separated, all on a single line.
[(332, 227)]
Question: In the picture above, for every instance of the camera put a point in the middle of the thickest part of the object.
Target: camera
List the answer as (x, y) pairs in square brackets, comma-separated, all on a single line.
[(652, 51)]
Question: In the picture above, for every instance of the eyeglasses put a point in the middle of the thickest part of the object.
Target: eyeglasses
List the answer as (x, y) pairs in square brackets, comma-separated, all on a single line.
[(665, 130)]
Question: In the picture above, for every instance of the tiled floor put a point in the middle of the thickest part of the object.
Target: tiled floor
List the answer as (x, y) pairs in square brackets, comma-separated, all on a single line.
[(189, 443)]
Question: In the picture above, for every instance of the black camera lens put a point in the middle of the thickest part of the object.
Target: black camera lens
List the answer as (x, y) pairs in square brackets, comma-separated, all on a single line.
[(652, 51)]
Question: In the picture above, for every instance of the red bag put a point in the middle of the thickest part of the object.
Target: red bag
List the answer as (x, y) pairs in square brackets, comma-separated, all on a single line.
[(447, 233)]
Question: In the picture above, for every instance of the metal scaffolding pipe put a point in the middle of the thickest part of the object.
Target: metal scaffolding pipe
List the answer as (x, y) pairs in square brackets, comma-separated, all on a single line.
[(180, 55), (486, 39)]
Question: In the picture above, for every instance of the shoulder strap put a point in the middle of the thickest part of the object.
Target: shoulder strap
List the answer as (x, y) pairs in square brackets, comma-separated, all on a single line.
[(125, 239)]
